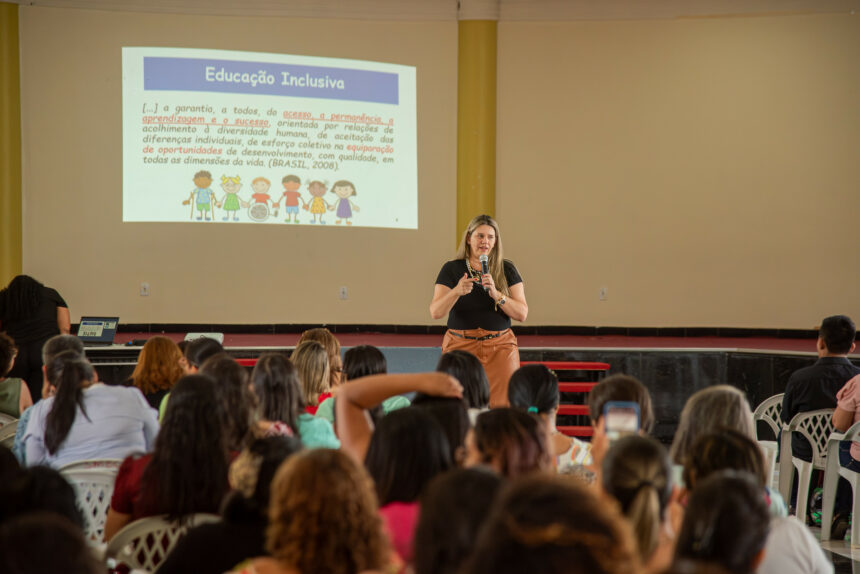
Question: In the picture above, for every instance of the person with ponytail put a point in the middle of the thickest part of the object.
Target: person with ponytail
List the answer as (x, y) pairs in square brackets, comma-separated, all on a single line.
[(85, 419), (534, 388), (637, 473)]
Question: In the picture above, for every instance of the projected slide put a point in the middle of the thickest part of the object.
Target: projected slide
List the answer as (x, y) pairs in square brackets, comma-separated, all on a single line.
[(212, 136)]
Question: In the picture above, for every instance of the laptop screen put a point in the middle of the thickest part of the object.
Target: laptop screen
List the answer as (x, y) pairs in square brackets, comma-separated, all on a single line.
[(98, 329)]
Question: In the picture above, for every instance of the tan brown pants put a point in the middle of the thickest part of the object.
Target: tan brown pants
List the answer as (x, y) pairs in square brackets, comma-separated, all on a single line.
[(500, 357)]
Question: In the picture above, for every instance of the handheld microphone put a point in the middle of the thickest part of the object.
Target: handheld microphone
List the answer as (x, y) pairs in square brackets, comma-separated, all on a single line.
[(485, 268)]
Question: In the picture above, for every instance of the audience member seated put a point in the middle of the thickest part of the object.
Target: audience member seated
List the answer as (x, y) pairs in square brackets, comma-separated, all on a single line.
[(40, 488), (454, 507), (617, 387), (553, 525), (31, 314), (216, 547), (237, 399), (159, 366), (637, 473), (708, 410), (452, 416), (187, 471), (816, 387), (54, 346), (358, 362), (323, 517), (86, 419), (510, 442), (726, 522), (791, 548), (467, 368), (194, 354), (534, 389), (332, 349), (14, 394), (280, 407), (312, 363), (40, 542)]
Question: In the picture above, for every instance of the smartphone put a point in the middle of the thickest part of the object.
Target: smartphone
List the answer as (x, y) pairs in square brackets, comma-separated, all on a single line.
[(620, 419)]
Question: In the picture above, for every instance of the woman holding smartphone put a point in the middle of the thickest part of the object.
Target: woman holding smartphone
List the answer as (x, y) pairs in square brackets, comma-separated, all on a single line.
[(480, 306)]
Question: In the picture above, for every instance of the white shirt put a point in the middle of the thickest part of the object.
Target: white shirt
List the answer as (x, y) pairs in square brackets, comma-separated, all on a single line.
[(118, 422), (792, 549)]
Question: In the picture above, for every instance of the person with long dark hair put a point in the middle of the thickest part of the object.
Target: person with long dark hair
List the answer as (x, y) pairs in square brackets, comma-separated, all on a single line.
[(480, 305), (31, 314), (466, 368), (280, 408), (86, 419), (187, 471), (236, 396), (194, 354)]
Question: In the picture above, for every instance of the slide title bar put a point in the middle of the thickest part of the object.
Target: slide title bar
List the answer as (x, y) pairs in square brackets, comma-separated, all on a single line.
[(266, 78)]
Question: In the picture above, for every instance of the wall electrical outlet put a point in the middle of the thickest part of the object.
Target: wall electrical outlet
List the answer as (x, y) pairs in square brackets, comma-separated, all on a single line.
[(144, 289), (603, 295), (342, 294)]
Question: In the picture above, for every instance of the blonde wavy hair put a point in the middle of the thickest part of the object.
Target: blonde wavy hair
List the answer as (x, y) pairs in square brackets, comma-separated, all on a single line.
[(324, 517), (495, 261), (332, 348), (311, 361), (158, 365)]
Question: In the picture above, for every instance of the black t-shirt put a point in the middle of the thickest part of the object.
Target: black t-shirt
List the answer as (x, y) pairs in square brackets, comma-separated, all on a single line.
[(40, 325), (477, 309)]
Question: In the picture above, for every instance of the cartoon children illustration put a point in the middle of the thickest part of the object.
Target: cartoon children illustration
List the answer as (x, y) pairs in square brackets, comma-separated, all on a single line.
[(344, 190), (231, 201), (318, 205), (203, 196), (259, 209), (291, 196)]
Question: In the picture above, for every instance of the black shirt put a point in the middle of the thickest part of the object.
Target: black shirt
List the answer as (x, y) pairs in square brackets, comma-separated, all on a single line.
[(812, 388), (39, 325), (477, 309)]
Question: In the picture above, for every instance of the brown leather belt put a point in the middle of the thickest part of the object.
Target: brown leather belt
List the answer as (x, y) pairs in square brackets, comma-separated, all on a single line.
[(484, 338)]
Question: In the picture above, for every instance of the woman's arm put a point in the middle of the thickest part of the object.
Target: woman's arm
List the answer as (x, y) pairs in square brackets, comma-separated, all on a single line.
[(25, 401), (842, 419), (353, 425), (444, 297), (64, 321), (515, 305), (114, 523)]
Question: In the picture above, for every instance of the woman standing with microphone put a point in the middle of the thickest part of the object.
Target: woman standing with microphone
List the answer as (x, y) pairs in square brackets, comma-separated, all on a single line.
[(480, 305)]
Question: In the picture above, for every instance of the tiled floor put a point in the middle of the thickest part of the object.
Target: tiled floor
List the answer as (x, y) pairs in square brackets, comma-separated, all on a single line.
[(845, 559)]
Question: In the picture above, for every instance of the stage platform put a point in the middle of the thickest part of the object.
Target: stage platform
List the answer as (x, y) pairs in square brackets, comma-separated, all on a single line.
[(673, 368)]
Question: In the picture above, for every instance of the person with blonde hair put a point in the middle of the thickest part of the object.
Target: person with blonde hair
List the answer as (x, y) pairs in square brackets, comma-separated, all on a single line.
[(480, 305), (312, 363), (323, 517), (159, 366), (332, 348)]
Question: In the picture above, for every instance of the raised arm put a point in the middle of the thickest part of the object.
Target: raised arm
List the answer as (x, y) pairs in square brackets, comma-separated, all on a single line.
[(353, 425)]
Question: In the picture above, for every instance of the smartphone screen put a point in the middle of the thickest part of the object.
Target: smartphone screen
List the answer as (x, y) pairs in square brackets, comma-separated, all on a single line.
[(620, 419)]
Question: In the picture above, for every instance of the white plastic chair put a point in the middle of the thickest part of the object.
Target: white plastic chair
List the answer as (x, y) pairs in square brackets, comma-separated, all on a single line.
[(108, 463), (816, 427), (831, 479), (143, 544), (769, 413), (93, 491)]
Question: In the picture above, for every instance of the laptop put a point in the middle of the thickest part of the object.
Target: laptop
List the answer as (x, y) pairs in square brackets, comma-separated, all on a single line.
[(97, 331)]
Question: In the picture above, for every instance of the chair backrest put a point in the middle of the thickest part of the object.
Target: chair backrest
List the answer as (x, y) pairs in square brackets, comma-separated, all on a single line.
[(93, 491), (7, 433), (108, 463), (769, 413), (6, 419), (143, 544), (816, 427)]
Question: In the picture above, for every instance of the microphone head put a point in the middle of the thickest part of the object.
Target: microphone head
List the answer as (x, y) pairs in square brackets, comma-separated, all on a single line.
[(483, 258)]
